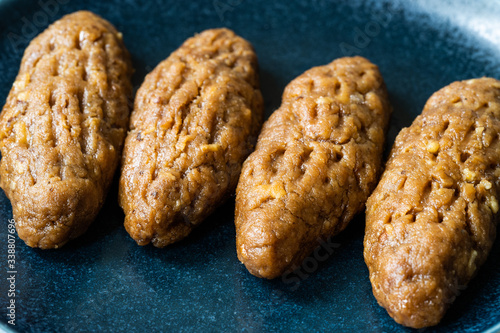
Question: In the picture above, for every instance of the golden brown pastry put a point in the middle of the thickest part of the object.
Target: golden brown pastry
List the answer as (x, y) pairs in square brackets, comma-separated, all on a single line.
[(317, 160), (63, 126), (431, 221), (196, 118)]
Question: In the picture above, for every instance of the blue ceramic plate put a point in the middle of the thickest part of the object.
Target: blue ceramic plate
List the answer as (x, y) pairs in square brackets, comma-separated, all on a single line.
[(103, 281)]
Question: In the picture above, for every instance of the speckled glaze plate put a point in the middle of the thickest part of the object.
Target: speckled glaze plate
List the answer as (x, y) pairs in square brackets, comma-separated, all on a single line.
[(103, 281)]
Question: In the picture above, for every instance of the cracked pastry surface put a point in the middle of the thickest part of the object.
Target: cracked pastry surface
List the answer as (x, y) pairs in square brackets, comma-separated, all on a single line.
[(196, 118), (317, 159), (431, 221), (63, 126)]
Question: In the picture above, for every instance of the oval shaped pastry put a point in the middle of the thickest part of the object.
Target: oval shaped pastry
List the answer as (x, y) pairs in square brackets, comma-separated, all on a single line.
[(62, 128), (317, 159), (196, 118), (430, 222)]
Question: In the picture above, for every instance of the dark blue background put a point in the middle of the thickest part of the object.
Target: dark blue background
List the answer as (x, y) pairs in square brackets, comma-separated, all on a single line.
[(103, 281)]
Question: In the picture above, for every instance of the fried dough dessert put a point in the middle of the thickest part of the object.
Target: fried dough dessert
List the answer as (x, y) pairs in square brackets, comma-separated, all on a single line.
[(63, 126), (196, 118), (431, 221), (317, 160)]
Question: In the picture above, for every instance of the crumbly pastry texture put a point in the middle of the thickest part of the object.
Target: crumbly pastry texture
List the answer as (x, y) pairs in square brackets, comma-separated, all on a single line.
[(317, 160), (62, 128), (195, 120), (431, 221)]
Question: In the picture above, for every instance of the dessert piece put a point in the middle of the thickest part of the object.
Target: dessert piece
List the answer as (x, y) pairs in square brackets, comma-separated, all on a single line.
[(431, 221), (63, 126), (317, 160), (195, 120)]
